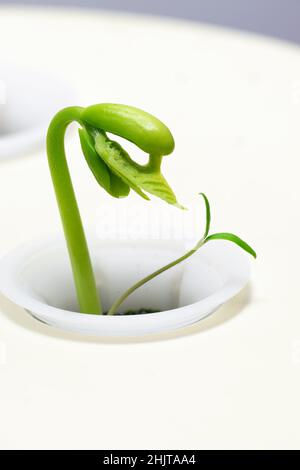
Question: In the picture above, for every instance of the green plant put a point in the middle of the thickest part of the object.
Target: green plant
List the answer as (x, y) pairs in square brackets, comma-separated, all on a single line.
[(206, 238), (113, 169), (117, 173)]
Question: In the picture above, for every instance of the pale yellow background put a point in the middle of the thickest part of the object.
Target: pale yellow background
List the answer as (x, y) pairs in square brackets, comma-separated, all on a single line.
[(233, 103)]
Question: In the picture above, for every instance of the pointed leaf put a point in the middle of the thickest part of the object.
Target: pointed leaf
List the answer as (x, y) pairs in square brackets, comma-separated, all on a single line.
[(139, 178), (232, 238)]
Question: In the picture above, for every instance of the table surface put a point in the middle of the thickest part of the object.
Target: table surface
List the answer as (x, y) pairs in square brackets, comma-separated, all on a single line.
[(232, 101)]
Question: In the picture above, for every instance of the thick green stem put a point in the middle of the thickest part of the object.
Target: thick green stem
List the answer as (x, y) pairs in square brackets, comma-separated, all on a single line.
[(123, 297), (85, 284)]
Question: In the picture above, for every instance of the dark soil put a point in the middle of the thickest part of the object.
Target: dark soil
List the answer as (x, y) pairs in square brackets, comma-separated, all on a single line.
[(141, 311)]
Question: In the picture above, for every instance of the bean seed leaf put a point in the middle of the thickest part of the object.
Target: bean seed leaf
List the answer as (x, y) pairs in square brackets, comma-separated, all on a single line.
[(136, 176)]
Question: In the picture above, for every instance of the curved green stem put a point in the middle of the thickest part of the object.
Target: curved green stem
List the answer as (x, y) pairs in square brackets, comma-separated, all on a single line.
[(87, 294), (123, 297)]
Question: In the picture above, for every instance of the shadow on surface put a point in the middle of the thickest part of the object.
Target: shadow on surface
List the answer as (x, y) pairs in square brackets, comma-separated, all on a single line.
[(225, 313)]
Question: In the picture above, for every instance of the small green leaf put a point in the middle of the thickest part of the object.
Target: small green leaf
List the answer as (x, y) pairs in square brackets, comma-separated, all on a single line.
[(207, 207), (118, 161), (97, 166), (232, 238), (133, 124), (114, 185), (139, 177)]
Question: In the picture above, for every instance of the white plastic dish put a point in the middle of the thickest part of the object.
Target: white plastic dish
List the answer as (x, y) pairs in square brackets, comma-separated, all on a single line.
[(38, 278), (28, 100)]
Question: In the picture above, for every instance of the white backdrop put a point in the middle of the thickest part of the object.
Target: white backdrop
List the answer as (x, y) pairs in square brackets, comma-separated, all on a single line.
[(279, 18)]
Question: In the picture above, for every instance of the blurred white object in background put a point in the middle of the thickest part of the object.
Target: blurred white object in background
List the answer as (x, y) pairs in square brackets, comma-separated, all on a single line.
[(28, 99)]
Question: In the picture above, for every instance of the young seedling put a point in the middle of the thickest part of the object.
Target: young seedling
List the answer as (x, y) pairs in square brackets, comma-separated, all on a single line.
[(117, 173), (113, 169), (205, 239)]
